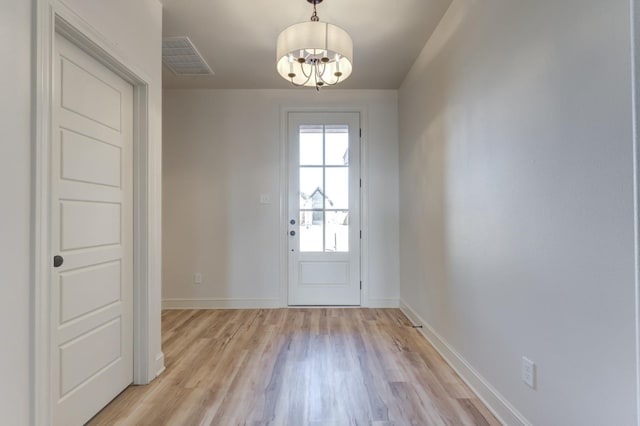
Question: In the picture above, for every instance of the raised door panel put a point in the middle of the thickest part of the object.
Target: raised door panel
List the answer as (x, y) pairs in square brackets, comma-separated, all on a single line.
[(84, 290), (84, 357), (324, 273), (89, 160), (80, 89), (87, 224)]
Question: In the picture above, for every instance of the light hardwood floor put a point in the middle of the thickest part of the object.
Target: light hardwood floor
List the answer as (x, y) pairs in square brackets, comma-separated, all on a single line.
[(297, 367)]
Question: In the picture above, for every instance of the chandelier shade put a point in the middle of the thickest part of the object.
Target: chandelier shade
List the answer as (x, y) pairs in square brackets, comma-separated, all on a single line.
[(314, 54)]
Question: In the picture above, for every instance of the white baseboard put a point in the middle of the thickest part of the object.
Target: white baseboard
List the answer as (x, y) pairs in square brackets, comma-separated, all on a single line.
[(383, 303), (159, 364), (498, 404), (221, 303)]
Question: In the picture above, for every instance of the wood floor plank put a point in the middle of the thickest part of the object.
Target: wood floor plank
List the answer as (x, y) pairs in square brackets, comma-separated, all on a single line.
[(325, 366)]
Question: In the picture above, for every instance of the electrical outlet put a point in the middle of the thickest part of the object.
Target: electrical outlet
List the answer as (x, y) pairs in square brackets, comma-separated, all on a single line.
[(528, 372), (197, 278)]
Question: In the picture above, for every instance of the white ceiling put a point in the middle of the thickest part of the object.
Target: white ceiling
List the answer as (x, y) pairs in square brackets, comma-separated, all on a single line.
[(237, 38)]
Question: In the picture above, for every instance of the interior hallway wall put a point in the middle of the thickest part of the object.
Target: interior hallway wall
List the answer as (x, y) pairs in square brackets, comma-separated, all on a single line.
[(222, 150), (517, 210), (15, 190)]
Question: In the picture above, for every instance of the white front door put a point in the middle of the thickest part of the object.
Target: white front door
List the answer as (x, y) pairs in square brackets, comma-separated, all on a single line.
[(92, 235), (324, 208)]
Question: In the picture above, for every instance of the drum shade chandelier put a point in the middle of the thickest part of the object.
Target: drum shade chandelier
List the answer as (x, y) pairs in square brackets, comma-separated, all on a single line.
[(314, 53)]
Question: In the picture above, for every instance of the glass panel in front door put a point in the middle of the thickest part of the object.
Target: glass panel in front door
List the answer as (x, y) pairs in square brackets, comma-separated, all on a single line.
[(324, 188)]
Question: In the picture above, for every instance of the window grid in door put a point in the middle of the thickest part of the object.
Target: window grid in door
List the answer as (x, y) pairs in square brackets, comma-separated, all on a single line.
[(324, 188)]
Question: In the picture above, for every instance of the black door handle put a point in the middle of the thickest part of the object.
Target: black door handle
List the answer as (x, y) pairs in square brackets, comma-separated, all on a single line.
[(57, 261), (292, 233)]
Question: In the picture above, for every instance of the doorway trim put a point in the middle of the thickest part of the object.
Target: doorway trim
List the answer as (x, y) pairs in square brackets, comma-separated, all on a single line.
[(284, 198), (51, 17)]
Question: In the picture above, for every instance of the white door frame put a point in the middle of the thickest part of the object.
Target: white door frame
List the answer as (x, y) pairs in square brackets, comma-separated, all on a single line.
[(284, 197), (53, 16)]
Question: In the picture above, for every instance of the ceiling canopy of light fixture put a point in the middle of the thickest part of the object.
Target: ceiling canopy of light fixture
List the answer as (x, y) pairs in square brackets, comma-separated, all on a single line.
[(314, 53)]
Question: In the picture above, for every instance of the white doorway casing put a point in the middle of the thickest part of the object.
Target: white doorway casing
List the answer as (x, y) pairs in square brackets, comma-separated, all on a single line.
[(53, 17)]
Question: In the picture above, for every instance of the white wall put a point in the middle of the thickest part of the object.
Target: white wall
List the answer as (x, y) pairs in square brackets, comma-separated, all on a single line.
[(119, 21), (517, 237), (15, 86), (222, 150)]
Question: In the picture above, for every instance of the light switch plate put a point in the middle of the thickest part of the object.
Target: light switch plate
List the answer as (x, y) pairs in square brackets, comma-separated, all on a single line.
[(265, 198), (528, 372)]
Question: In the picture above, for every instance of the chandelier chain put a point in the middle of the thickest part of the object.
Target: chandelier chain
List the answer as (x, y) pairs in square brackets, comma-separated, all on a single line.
[(314, 16)]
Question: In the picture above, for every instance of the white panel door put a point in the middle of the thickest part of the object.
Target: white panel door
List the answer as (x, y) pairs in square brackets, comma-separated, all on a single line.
[(91, 233), (324, 209)]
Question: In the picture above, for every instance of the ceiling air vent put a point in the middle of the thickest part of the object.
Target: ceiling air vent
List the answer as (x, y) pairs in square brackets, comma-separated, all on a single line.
[(182, 57)]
